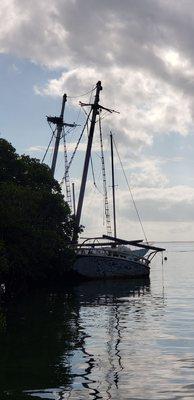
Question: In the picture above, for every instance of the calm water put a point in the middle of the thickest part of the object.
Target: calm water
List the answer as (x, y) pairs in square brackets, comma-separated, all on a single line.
[(104, 340)]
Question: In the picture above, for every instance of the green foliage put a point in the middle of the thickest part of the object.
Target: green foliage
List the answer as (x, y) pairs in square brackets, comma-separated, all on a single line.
[(35, 222), (4, 267), (24, 170)]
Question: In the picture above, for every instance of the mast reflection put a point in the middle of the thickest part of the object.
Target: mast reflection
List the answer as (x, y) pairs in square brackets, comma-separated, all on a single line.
[(112, 295)]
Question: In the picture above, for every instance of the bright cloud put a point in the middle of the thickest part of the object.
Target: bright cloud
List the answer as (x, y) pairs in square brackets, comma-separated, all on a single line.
[(142, 51)]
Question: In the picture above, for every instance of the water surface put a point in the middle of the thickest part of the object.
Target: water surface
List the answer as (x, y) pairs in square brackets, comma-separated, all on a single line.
[(114, 340)]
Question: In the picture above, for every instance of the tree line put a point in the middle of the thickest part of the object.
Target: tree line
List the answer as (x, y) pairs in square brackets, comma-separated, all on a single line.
[(35, 222)]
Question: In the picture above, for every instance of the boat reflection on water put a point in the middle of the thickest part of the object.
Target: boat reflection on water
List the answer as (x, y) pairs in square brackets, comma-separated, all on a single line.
[(70, 343), (107, 291), (102, 307)]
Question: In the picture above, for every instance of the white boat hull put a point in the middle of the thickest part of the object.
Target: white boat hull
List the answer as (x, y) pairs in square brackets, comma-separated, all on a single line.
[(102, 267)]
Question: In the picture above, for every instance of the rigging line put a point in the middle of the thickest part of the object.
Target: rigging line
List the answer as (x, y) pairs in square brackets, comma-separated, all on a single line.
[(93, 176), (73, 154), (85, 113), (51, 154), (87, 125), (67, 179), (106, 113), (136, 209), (90, 99), (48, 147), (81, 95), (94, 181), (71, 130), (99, 191), (78, 115), (106, 205), (92, 165)]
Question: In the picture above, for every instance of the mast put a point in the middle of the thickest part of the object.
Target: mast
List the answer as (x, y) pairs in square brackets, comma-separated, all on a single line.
[(95, 107), (113, 185), (59, 122)]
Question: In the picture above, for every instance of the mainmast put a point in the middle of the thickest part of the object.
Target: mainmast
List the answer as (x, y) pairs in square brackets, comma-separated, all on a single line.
[(113, 185), (95, 112)]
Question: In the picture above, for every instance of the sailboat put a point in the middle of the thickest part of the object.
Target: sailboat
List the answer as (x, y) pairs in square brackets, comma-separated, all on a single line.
[(107, 256)]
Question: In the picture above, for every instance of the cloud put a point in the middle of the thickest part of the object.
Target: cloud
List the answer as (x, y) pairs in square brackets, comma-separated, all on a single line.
[(142, 52), (146, 173), (32, 30), (71, 147), (166, 213), (158, 204), (147, 107)]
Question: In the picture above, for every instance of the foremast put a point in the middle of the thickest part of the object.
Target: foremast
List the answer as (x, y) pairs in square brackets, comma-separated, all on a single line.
[(59, 122)]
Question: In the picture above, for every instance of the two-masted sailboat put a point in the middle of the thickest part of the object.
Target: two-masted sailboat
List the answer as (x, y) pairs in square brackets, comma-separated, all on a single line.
[(106, 256)]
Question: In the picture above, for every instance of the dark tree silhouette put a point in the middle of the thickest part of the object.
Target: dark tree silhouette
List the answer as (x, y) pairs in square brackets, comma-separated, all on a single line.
[(35, 221)]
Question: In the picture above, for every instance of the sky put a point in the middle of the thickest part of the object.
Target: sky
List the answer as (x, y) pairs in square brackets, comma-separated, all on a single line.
[(142, 51)]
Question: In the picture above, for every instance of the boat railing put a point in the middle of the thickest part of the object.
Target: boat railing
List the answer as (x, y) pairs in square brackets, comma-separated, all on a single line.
[(86, 251)]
